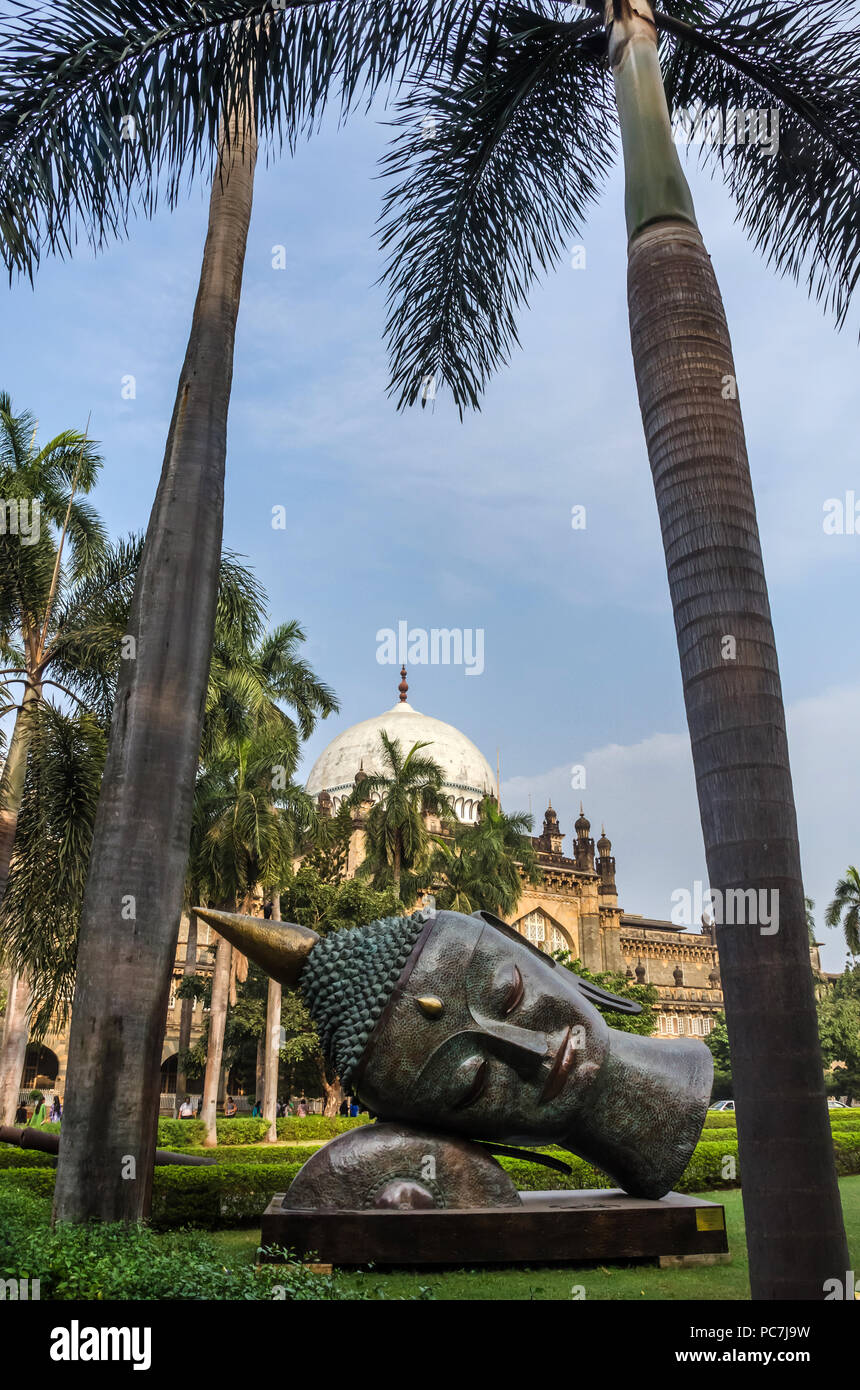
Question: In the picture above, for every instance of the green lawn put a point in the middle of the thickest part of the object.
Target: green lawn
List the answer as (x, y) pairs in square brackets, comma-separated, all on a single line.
[(556, 1282)]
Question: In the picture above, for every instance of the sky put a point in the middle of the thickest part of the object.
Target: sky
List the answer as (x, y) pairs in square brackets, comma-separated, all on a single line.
[(442, 523)]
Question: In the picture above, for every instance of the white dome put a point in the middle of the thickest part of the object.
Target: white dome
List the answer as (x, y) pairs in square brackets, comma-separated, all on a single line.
[(468, 775)]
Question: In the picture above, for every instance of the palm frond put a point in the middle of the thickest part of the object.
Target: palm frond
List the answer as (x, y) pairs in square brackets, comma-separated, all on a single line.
[(109, 106), (496, 162), (800, 205)]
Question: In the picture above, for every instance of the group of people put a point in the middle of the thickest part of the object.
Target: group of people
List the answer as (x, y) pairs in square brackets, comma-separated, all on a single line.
[(299, 1108), (42, 1113)]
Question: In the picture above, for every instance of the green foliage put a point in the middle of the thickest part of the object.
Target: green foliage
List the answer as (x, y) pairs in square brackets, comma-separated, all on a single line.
[(326, 850), (717, 1043), (312, 902), (13, 1157), (839, 1029), (524, 132), (397, 842), (720, 1119), (232, 1154), (240, 1131), (486, 864), (616, 983), (176, 1134), (100, 1262), (846, 907), (318, 1126), (42, 904), (174, 67)]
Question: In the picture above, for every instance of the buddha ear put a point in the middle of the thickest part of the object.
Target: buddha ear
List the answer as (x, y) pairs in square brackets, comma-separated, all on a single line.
[(279, 948)]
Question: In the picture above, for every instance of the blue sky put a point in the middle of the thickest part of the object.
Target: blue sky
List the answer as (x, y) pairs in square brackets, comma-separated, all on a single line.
[(468, 525)]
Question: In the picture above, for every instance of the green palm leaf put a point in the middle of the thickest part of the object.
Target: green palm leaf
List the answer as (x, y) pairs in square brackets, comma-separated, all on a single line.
[(105, 109)]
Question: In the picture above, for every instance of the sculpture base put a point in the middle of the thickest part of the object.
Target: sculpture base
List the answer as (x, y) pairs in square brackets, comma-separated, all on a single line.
[(548, 1227)]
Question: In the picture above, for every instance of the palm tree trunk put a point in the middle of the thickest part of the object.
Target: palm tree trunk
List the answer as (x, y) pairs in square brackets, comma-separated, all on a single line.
[(19, 1005), (13, 779), (14, 1052), (273, 1044), (685, 377), (186, 1012), (215, 1045), (132, 906), (396, 869)]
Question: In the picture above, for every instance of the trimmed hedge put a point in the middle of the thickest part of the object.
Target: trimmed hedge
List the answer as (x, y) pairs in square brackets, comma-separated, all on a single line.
[(175, 1134), (236, 1189), (318, 1126), (181, 1134), (270, 1153), (13, 1157)]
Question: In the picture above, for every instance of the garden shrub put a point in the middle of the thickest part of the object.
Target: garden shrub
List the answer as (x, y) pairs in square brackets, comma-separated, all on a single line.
[(318, 1126), (269, 1153), (235, 1191), (97, 1262), (13, 1157), (847, 1149), (241, 1131), (175, 1134), (720, 1119), (37, 1182)]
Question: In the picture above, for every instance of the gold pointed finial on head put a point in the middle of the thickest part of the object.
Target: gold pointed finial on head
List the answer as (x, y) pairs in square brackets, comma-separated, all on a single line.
[(403, 687), (279, 948)]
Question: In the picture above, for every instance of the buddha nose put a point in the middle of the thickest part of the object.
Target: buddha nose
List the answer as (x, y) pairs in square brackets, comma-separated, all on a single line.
[(521, 1046)]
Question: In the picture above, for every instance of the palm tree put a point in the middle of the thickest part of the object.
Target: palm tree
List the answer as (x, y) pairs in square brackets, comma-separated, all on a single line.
[(251, 823), (100, 110), (48, 639), (845, 907), (36, 484), (40, 912), (248, 815), (397, 841), (486, 864), (523, 126)]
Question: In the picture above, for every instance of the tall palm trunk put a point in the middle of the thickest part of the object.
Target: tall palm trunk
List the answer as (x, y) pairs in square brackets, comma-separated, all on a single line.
[(685, 376), (19, 1005), (186, 1012), (15, 1035), (273, 1044), (14, 777), (215, 1044), (133, 900)]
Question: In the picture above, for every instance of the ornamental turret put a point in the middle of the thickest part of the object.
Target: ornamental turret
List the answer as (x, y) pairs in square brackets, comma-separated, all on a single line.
[(551, 840), (583, 850), (606, 863)]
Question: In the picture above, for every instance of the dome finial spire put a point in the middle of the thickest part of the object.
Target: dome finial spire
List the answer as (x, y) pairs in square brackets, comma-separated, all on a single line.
[(403, 687)]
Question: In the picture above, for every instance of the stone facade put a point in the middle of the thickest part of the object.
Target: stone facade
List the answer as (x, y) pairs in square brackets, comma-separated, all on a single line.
[(575, 908)]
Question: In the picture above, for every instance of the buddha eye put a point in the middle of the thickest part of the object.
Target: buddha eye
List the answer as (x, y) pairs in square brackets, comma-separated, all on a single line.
[(515, 993), (473, 1074)]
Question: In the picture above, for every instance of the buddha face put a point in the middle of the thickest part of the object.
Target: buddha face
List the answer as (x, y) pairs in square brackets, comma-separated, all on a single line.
[(486, 1036)]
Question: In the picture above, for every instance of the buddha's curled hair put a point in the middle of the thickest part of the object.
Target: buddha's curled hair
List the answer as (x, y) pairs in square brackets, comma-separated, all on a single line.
[(348, 980)]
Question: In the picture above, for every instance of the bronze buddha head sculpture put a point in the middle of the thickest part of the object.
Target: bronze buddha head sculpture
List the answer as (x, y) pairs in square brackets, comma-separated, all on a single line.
[(458, 1023)]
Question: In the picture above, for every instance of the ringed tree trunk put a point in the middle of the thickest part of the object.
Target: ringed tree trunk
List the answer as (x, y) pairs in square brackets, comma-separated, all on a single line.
[(13, 779), (15, 1035), (186, 1012), (19, 1005), (215, 1045), (273, 1045), (686, 382), (133, 899)]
